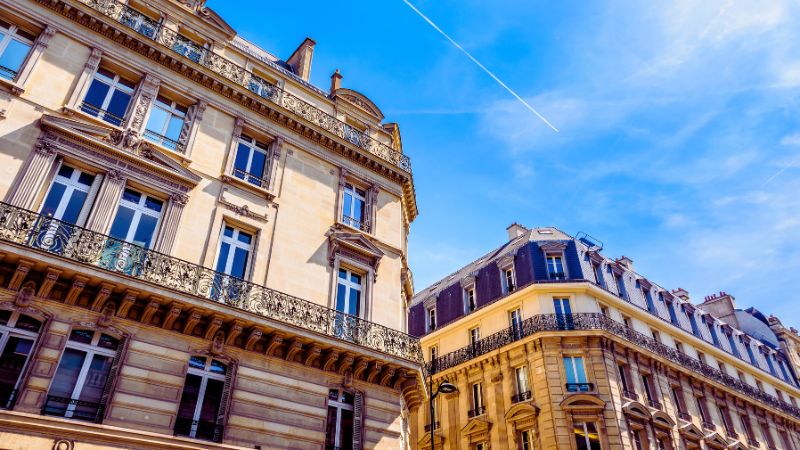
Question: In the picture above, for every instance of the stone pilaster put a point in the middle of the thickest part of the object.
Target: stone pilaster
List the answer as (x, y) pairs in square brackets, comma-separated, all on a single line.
[(39, 46), (169, 223), (34, 175), (145, 94), (85, 78), (105, 205), (44, 362)]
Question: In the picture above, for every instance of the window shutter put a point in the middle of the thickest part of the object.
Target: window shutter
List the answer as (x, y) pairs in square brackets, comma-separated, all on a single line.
[(358, 420), (224, 403), (111, 380)]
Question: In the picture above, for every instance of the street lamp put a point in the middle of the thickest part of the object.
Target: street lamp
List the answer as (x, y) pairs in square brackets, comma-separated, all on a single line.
[(444, 388)]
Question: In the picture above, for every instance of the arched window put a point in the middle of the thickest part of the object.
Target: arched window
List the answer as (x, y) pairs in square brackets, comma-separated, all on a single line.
[(203, 398), (18, 333), (82, 381)]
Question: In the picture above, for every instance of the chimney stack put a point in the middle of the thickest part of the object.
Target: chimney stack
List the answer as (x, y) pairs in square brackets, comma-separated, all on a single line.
[(336, 81), (627, 262), (301, 59), (681, 293), (516, 230)]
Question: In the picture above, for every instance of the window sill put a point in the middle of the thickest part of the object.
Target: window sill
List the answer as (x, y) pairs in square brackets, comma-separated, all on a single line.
[(341, 224), (11, 86), (238, 182)]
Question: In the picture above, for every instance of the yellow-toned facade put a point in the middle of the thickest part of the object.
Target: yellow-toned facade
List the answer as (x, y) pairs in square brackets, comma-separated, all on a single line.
[(601, 373), (162, 298)]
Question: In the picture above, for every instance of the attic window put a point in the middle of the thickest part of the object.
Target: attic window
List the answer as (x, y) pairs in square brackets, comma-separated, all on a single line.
[(545, 231)]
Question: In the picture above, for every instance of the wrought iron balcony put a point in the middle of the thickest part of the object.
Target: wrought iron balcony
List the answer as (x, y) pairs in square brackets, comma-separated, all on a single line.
[(684, 416), (709, 426), (73, 408), (435, 426), (7, 73), (752, 442), (255, 180), (355, 223), (654, 404), (198, 429), (28, 229), (579, 387), (101, 114), (235, 73), (521, 397), (599, 322), (479, 411), (630, 395), (8, 396)]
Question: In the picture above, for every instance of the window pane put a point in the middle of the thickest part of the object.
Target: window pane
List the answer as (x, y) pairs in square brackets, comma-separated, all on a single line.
[(108, 342), (85, 179), (67, 374), (118, 106), (96, 378), (211, 401), (569, 368), (222, 260), (153, 204), (580, 371), (242, 155), (131, 196), (145, 230), (53, 199), (191, 389), (4, 316), (240, 258), (330, 426), (14, 55), (122, 223), (74, 206), (198, 362), (28, 323), (157, 120), (258, 163), (346, 440), (218, 367), (348, 201), (355, 300), (174, 128), (95, 96), (11, 363), (82, 336), (358, 209), (341, 293)]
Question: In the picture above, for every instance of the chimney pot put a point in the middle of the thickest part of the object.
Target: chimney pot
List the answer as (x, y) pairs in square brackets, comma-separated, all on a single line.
[(336, 81), (516, 230)]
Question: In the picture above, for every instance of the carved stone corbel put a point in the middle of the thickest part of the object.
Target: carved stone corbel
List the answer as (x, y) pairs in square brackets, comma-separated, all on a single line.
[(331, 356), (214, 324), (23, 268), (253, 338), (273, 344), (234, 331), (50, 279), (127, 302), (312, 355), (102, 295), (172, 315), (192, 321), (150, 310), (293, 348), (78, 283)]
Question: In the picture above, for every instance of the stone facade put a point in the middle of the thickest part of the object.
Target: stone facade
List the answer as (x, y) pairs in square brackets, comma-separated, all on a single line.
[(572, 350), (178, 205)]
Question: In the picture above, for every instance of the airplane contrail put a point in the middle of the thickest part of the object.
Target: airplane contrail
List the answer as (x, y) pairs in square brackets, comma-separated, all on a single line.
[(478, 63)]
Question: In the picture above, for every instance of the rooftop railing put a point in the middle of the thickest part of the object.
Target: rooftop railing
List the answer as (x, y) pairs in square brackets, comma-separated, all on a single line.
[(185, 47), (29, 229), (595, 321)]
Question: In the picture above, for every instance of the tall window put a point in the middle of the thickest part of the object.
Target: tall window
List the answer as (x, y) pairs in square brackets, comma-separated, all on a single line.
[(563, 314), (576, 374), (108, 97), (586, 436), (508, 280), (431, 319), (18, 332), (477, 400), (349, 289), (470, 303), (701, 409), (677, 398), (354, 207), (636, 436), (598, 275), (165, 122), (198, 413), (526, 440), (555, 267), (620, 281), (649, 391), (341, 420), (137, 218), (77, 387), (623, 381), (515, 320), (15, 44), (434, 353), (474, 337), (651, 307), (251, 161), (671, 308), (234, 252), (67, 201), (712, 329), (692, 321), (521, 379)]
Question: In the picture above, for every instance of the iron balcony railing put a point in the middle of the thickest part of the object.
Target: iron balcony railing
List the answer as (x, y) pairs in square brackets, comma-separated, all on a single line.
[(655, 404), (198, 429), (237, 74), (479, 411), (684, 416), (355, 223), (435, 426), (101, 114), (599, 322), (521, 397), (73, 408), (579, 387), (8, 396), (709, 426), (32, 230), (630, 395)]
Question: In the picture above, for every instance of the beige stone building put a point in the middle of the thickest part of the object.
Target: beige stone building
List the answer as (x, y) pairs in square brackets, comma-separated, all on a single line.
[(198, 247), (554, 346)]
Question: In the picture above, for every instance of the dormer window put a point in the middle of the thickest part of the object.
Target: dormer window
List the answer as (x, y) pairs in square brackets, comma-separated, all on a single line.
[(508, 280), (430, 323), (507, 275), (555, 266)]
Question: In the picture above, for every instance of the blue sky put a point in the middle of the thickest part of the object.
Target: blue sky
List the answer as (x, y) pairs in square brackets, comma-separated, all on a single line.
[(679, 143)]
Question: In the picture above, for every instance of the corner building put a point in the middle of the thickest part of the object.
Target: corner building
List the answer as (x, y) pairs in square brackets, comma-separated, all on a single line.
[(198, 247), (554, 346)]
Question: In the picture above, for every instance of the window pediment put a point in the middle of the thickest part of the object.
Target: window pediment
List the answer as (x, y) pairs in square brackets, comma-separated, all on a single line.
[(115, 146), (714, 440), (353, 245), (553, 247), (645, 284), (595, 257), (523, 411), (360, 100), (583, 403), (425, 442), (660, 419), (637, 411), (691, 431), (477, 427)]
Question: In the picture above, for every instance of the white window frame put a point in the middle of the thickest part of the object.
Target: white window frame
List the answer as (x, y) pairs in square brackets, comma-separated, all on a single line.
[(520, 378), (433, 352), (588, 443), (350, 286), (72, 185), (509, 279), (578, 376), (477, 398), (515, 324), (430, 313), (113, 85), (348, 217), (172, 110), (205, 375), (139, 209), (9, 331), (526, 440), (470, 299), (255, 146), (552, 256), (11, 34), (340, 406), (474, 336), (235, 243), (91, 350)]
